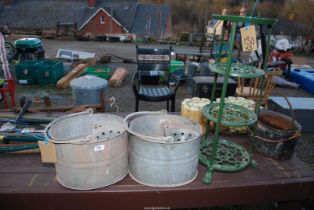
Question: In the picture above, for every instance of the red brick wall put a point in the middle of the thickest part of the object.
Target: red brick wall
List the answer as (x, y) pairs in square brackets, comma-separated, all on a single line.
[(168, 27), (94, 27), (91, 3)]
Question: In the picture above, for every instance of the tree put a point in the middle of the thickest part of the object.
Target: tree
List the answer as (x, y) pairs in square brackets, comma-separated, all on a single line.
[(269, 9)]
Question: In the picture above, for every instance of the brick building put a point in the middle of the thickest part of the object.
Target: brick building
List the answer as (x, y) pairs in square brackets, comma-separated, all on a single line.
[(92, 17)]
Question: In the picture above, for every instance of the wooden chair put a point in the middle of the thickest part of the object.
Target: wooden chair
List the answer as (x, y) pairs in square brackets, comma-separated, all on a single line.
[(151, 81), (8, 87), (250, 88)]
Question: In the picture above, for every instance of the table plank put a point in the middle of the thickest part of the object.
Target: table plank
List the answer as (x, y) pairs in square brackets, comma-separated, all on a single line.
[(26, 182)]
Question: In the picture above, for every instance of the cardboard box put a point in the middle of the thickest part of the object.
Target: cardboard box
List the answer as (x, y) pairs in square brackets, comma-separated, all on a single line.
[(48, 152)]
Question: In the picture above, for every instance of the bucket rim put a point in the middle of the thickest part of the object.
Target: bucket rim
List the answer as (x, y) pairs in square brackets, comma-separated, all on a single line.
[(88, 139), (146, 138), (295, 134), (160, 139), (298, 127)]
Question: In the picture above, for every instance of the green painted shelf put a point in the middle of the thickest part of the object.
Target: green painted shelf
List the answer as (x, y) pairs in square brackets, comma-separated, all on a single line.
[(237, 70), (230, 157), (233, 115)]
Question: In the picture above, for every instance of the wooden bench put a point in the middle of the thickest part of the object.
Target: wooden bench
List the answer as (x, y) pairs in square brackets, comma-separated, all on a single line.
[(25, 183)]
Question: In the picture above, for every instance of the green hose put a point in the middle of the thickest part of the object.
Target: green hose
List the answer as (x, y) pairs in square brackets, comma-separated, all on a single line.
[(18, 148), (22, 138)]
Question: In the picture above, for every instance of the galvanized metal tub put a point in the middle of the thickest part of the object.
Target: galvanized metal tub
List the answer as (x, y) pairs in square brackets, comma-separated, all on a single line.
[(91, 149), (163, 149)]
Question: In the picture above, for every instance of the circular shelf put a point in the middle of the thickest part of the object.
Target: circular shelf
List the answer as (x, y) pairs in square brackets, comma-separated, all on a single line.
[(230, 157), (237, 70), (233, 115)]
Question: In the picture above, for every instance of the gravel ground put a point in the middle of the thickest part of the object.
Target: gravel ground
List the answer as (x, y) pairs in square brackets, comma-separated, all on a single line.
[(125, 97)]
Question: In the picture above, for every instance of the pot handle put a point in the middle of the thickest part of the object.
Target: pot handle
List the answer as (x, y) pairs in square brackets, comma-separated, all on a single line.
[(292, 113), (166, 139), (291, 110)]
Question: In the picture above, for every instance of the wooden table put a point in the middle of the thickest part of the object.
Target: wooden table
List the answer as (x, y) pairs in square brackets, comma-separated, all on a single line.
[(25, 183)]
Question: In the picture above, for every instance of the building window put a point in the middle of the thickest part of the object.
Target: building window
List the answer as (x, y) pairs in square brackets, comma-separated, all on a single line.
[(102, 19)]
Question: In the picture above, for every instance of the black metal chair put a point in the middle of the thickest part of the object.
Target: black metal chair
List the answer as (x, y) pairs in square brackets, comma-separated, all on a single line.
[(151, 81)]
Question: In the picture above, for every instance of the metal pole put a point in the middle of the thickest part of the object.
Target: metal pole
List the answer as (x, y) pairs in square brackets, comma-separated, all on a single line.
[(219, 56), (205, 27), (208, 177), (3, 58)]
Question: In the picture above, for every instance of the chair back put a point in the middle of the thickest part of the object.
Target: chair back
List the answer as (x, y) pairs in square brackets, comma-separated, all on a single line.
[(250, 88), (153, 65)]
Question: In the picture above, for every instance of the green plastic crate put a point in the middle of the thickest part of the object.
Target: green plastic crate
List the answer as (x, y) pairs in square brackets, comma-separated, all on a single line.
[(48, 72), (175, 65), (26, 81), (98, 72), (26, 72), (42, 72)]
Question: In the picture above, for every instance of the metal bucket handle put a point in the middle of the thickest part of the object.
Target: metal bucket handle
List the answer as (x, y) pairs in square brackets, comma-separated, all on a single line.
[(86, 139), (292, 112), (294, 136), (166, 139)]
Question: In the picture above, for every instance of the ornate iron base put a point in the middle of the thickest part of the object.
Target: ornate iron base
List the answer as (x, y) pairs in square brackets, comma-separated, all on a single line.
[(230, 157)]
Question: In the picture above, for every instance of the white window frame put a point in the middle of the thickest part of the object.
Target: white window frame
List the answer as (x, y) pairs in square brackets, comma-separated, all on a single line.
[(102, 19)]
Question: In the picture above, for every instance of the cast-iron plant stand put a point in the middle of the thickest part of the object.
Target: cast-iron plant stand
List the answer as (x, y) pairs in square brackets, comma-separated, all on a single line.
[(220, 154)]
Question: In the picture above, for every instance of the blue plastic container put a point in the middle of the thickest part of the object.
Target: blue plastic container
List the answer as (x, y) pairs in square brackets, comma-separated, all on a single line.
[(305, 78)]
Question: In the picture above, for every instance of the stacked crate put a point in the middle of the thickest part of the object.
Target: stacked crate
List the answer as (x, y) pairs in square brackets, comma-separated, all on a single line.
[(26, 73), (48, 72), (41, 72)]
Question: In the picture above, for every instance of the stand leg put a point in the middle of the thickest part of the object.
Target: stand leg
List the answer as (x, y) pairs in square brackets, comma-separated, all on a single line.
[(136, 104), (173, 105), (12, 99), (207, 179), (4, 100)]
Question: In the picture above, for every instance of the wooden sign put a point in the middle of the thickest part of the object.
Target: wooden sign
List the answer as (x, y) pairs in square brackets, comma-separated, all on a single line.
[(248, 37)]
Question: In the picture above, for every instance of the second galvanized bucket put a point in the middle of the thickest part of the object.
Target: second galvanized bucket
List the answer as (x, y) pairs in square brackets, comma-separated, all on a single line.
[(91, 149), (163, 149)]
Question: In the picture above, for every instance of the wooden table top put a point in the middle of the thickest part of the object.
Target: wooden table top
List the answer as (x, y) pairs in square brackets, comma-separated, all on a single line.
[(25, 183)]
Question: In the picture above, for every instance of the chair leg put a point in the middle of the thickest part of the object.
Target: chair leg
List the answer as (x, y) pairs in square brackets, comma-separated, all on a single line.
[(266, 104), (173, 104), (12, 99), (4, 100), (167, 106), (136, 104)]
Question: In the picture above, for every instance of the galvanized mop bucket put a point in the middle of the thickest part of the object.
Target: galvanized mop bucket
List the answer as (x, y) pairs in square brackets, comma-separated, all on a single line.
[(91, 149), (163, 149)]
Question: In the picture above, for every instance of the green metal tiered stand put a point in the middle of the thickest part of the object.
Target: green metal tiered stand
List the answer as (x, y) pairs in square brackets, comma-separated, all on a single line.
[(220, 154)]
